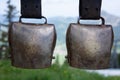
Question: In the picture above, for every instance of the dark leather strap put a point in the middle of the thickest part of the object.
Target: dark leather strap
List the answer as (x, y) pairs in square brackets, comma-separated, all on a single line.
[(90, 9), (31, 9)]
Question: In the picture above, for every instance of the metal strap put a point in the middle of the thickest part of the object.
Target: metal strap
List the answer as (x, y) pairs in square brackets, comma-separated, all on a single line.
[(20, 19), (90, 9), (102, 19), (31, 9)]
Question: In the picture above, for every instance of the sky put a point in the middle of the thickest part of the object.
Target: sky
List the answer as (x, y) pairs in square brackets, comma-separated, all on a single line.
[(66, 8)]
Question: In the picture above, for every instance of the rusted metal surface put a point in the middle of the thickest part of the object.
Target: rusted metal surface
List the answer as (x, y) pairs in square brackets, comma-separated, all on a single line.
[(31, 8), (90, 9), (89, 46), (32, 45)]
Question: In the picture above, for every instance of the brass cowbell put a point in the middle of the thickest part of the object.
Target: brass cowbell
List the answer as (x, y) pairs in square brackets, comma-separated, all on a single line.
[(32, 45), (89, 45)]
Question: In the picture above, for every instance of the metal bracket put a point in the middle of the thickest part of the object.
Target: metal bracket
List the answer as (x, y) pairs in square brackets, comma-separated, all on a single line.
[(31, 9), (90, 9)]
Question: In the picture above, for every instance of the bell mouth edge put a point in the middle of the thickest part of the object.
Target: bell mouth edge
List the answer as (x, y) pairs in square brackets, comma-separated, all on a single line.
[(89, 68), (21, 67)]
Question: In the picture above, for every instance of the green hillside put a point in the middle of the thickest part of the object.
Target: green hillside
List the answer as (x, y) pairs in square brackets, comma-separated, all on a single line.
[(56, 72)]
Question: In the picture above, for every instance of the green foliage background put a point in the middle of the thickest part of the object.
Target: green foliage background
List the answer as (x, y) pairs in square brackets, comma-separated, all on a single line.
[(55, 72)]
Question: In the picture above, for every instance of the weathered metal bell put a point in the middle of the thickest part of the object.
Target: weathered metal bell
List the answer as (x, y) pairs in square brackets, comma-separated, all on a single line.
[(32, 45), (89, 46)]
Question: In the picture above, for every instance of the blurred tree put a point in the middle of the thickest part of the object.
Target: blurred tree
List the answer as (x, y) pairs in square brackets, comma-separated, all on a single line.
[(11, 12), (9, 16)]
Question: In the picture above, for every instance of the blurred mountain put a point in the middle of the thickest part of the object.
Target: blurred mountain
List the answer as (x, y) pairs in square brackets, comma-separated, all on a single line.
[(62, 23), (111, 19), (115, 22)]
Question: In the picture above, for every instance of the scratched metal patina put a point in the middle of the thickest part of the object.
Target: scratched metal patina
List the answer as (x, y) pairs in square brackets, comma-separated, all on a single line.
[(89, 46), (32, 45)]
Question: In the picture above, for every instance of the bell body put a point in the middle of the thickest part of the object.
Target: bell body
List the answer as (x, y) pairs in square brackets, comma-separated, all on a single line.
[(89, 46), (32, 45)]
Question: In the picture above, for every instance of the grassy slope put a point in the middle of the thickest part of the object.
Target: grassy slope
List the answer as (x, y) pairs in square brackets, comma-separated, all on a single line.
[(7, 72)]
